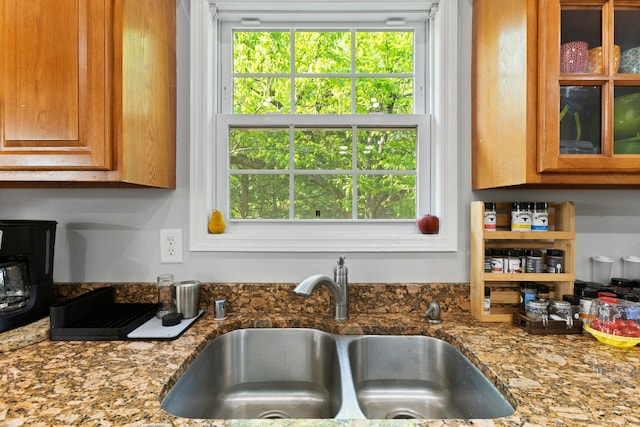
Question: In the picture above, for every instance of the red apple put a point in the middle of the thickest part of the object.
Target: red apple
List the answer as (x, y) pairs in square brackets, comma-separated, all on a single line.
[(428, 224)]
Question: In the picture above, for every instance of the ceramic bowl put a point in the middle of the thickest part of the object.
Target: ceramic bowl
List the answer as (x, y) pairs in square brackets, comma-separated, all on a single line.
[(594, 59), (573, 57), (630, 61), (626, 116)]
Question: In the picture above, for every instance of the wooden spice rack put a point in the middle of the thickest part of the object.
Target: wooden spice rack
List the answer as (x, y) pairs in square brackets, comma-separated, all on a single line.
[(505, 287)]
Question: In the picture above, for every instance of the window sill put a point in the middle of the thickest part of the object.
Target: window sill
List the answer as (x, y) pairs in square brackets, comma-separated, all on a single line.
[(323, 242)]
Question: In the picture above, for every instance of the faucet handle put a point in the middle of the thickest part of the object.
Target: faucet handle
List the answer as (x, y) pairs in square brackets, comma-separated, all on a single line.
[(433, 312)]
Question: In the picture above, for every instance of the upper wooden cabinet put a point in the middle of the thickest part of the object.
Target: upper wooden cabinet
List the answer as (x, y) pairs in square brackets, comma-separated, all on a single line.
[(546, 118), (87, 92)]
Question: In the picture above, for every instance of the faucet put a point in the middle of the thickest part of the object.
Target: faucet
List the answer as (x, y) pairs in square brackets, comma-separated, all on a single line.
[(338, 287), (433, 312)]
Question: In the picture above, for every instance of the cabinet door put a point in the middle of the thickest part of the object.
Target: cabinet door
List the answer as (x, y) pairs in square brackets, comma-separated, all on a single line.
[(589, 117), (53, 85)]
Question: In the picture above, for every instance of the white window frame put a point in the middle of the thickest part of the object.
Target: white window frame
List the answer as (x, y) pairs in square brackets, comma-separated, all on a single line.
[(318, 236)]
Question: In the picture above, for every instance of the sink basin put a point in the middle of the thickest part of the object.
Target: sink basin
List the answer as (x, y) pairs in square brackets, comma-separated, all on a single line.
[(306, 373), (420, 377), (261, 373)]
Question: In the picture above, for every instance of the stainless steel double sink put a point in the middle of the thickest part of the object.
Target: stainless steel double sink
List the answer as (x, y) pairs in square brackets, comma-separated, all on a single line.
[(307, 373)]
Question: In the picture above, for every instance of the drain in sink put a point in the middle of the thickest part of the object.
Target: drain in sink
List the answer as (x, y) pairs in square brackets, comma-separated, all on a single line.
[(404, 414), (275, 415)]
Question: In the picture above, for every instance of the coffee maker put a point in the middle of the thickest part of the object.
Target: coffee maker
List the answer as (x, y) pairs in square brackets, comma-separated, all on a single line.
[(26, 271)]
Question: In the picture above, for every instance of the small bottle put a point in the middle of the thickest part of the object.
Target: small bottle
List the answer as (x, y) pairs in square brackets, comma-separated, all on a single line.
[(497, 261), (487, 301), (528, 292), (513, 261), (520, 216), (487, 260), (543, 292), (555, 261), (490, 216), (166, 303), (533, 263), (586, 295), (540, 217)]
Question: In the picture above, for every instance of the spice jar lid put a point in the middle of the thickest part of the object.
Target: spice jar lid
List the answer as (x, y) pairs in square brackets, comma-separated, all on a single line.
[(587, 293), (540, 206), (533, 252), (555, 252), (538, 303), (489, 206)]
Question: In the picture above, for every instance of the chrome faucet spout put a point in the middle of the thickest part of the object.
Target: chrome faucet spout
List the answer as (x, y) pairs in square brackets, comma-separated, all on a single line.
[(338, 288)]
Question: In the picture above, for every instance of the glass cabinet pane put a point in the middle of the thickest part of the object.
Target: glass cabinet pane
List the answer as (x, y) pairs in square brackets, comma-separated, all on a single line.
[(580, 37), (580, 119), (627, 35), (626, 120)]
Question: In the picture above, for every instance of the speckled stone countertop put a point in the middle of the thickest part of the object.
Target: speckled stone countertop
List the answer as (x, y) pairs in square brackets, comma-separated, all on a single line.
[(563, 380)]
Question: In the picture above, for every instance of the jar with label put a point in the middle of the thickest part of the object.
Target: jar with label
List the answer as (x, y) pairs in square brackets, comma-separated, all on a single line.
[(533, 261), (540, 217), (555, 261), (543, 292), (487, 260), (487, 301), (490, 216), (521, 216), (497, 261), (561, 311), (586, 295), (537, 310), (528, 291), (513, 261)]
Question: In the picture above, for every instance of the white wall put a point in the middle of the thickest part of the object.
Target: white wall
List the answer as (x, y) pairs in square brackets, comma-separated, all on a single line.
[(112, 235)]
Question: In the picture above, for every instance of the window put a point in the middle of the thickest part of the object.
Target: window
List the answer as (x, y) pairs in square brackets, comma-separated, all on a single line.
[(322, 129)]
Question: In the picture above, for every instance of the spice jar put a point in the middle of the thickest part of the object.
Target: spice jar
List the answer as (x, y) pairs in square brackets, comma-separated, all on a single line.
[(497, 261), (513, 261), (543, 292), (555, 261), (533, 261), (561, 310), (528, 292), (540, 217), (520, 216), (586, 295), (537, 310), (487, 260), (489, 216)]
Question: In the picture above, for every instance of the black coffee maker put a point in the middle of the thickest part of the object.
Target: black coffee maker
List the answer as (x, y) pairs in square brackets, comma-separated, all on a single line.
[(26, 271)]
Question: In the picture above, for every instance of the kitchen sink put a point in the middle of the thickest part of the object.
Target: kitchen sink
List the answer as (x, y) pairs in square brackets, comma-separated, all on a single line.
[(306, 373), (261, 373), (420, 377)]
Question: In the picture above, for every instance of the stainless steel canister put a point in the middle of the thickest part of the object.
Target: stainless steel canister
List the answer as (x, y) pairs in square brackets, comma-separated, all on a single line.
[(188, 298)]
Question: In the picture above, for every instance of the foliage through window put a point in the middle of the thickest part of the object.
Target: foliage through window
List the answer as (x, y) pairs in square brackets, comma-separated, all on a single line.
[(345, 157)]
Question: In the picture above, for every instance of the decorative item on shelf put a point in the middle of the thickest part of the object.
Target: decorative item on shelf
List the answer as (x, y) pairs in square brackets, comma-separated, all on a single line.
[(594, 59), (573, 57), (216, 223), (630, 61)]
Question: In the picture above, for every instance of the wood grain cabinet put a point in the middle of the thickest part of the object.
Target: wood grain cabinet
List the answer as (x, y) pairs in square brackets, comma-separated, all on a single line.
[(551, 104), (87, 93)]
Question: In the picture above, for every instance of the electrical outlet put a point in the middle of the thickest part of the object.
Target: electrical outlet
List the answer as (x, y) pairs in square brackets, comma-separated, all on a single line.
[(171, 246)]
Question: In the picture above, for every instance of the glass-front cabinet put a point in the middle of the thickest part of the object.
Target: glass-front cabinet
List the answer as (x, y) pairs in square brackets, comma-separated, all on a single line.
[(589, 86)]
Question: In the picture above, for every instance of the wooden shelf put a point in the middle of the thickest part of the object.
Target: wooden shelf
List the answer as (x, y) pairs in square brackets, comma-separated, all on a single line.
[(505, 286)]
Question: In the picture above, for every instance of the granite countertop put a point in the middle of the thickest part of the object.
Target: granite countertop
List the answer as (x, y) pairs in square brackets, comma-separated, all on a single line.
[(551, 380)]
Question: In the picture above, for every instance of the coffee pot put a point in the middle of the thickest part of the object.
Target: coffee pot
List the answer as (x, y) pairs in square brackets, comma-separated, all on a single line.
[(26, 271)]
